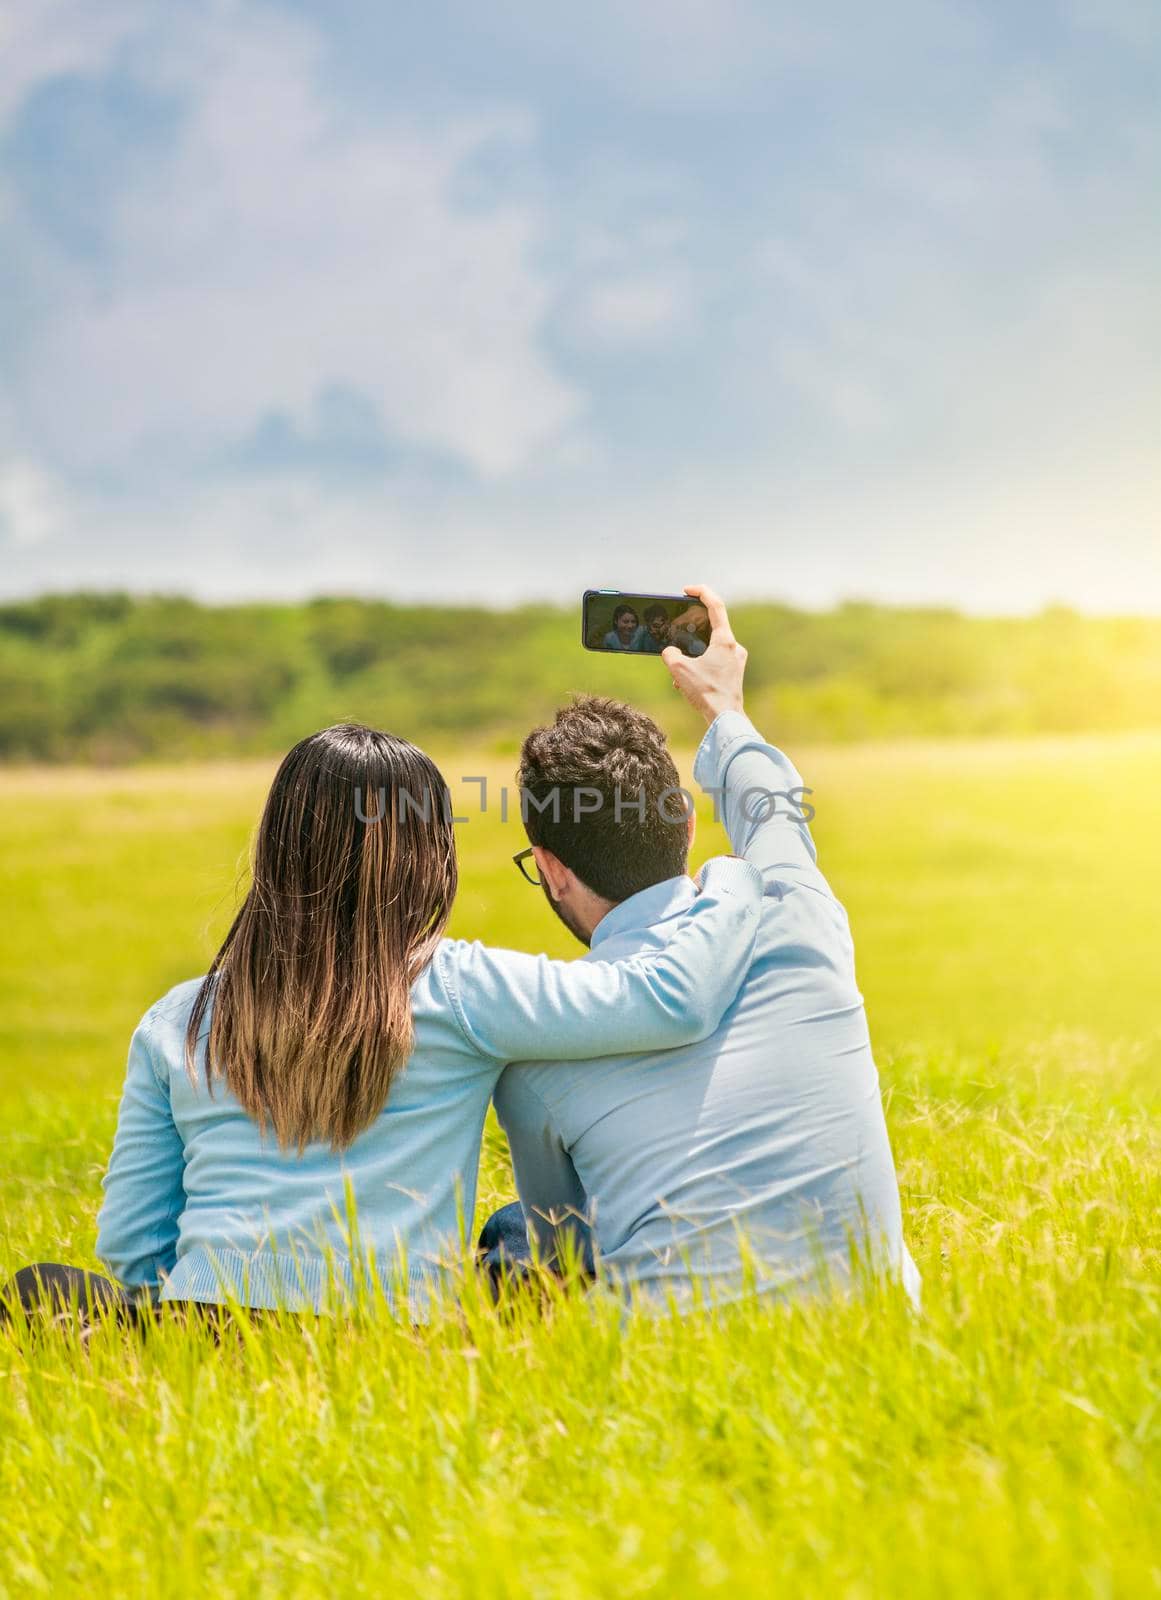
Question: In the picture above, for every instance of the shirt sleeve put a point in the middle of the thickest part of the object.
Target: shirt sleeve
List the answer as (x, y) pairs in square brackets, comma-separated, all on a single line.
[(144, 1190), (759, 795), (550, 1191), (517, 1007)]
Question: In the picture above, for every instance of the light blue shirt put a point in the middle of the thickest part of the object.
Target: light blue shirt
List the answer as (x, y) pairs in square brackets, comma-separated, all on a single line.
[(199, 1205), (759, 1150)]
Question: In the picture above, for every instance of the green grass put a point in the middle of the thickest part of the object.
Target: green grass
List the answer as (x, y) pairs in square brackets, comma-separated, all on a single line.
[(1003, 899)]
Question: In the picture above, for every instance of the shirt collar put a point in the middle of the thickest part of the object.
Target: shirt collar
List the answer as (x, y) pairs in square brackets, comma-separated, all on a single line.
[(669, 898)]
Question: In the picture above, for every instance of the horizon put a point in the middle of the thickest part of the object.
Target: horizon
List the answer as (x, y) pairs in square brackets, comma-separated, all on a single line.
[(565, 602)]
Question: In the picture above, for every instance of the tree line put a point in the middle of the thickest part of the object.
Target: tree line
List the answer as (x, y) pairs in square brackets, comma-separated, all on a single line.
[(118, 677)]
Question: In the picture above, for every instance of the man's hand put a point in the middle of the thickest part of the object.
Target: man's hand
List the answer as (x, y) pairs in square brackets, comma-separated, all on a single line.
[(693, 617), (712, 683)]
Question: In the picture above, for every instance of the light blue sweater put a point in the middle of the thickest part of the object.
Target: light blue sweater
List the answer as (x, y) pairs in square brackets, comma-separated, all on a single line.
[(199, 1205), (757, 1153)]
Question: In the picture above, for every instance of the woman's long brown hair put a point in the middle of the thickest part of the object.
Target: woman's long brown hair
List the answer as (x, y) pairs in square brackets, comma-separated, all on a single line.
[(353, 883)]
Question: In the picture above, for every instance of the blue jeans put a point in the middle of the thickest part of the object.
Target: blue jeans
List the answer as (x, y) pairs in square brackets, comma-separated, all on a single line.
[(60, 1292), (68, 1291), (504, 1252)]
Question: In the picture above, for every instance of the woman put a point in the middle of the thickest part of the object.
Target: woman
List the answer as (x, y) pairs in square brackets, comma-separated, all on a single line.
[(307, 1116), (623, 634)]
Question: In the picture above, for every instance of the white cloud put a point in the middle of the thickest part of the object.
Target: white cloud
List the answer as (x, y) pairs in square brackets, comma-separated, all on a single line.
[(281, 247), (1134, 21), (935, 379), (842, 394), (634, 310), (1006, 541), (32, 507), (669, 53), (41, 39)]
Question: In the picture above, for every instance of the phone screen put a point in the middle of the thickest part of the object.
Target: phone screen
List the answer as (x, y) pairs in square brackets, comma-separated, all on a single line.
[(643, 624)]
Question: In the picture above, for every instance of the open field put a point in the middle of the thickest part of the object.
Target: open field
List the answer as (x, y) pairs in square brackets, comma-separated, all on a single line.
[(1004, 902)]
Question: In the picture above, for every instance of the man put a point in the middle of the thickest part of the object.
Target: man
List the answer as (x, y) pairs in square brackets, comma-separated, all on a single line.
[(658, 630), (654, 635), (761, 1155)]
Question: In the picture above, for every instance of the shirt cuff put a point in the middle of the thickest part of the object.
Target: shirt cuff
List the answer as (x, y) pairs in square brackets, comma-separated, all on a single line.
[(725, 730)]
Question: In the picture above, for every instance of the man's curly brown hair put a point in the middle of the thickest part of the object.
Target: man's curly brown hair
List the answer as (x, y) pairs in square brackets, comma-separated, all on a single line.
[(601, 791)]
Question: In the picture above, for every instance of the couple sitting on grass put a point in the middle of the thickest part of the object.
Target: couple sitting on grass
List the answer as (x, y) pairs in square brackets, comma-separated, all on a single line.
[(692, 1107)]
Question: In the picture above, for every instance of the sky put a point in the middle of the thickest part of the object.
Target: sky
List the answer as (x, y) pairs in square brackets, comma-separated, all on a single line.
[(494, 302)]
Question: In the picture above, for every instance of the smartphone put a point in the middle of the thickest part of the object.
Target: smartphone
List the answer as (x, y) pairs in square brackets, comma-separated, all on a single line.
[(619, 623)]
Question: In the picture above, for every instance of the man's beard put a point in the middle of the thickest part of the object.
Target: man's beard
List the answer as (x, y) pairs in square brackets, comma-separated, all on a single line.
[(567, 917)]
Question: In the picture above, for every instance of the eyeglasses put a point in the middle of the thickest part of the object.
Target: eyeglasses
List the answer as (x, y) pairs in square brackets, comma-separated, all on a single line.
[(522, 858)]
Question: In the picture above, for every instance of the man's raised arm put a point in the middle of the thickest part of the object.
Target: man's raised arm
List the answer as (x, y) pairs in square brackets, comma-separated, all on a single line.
[(757, 790)]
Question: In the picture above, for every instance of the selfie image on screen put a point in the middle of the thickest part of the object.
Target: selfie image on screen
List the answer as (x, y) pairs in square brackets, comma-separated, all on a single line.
[(644, 624)]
